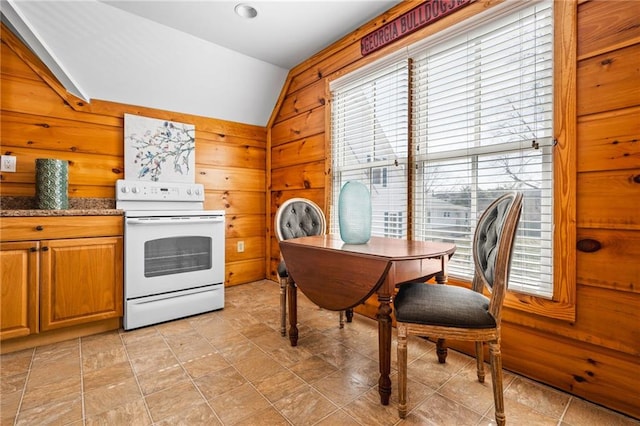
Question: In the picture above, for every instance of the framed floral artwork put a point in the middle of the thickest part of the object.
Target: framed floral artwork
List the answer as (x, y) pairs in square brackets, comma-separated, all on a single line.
[(158, 150)]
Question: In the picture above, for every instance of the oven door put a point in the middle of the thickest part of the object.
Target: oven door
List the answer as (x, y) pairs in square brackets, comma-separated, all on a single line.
[(167, 254)]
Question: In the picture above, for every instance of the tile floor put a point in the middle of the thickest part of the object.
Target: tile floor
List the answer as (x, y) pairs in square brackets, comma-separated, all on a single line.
[(232, 367)]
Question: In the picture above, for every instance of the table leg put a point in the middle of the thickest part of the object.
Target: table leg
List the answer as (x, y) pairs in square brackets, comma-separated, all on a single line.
[(384, 348), (349, 313), (293, 312)]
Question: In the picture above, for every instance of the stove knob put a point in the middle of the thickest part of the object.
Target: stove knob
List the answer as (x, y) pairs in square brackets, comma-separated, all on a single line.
[(134, 189), (197, 191), (124, 189), (188, 191)]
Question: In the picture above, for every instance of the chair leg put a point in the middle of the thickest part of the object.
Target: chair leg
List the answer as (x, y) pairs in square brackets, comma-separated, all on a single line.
[(341, 319), (402, 370), (496, 377), (283, 306), (480, 361)]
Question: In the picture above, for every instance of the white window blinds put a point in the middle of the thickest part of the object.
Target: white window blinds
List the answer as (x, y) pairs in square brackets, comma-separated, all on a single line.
[(370, 124), (482, 125), (479, 103)]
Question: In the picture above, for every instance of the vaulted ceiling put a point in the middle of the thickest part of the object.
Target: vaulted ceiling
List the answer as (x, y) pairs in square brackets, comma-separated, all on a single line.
[(195, 57)]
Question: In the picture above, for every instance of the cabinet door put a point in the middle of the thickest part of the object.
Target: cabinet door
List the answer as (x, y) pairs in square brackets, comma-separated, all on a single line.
[(81, 281), (19, 289)]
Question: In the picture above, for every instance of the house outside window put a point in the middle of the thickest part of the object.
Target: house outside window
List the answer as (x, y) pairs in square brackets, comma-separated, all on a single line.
[(479, 102)]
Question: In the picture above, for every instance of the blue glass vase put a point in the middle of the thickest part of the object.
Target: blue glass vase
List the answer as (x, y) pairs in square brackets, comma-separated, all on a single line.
[(354, 213)]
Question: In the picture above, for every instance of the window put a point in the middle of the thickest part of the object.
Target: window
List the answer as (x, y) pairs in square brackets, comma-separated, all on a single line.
[(482, 124), (480, 99), (370, 122)]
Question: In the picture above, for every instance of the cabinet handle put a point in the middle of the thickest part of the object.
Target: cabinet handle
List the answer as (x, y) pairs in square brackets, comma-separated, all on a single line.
[(39, 228), (33, 249), (45, 248)]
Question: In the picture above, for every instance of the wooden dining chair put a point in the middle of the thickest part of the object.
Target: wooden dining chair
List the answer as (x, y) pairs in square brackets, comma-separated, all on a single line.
[(298, 217), (451, 312)]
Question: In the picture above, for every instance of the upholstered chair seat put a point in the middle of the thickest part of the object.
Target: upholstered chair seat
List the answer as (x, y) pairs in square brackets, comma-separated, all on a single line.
[(443, 305)]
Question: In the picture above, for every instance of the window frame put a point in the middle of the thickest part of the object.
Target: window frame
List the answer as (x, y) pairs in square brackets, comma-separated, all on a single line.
[(562, 305)]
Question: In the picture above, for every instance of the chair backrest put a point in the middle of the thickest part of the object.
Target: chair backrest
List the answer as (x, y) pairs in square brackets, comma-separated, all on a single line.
[(299, 217), (493, 244)]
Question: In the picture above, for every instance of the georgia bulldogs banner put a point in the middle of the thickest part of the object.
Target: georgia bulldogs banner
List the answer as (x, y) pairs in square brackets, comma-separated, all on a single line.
[(418, 17)]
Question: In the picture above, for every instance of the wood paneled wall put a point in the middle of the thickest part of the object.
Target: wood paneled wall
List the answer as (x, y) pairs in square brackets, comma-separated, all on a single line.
[(597, 356), (41, 120)]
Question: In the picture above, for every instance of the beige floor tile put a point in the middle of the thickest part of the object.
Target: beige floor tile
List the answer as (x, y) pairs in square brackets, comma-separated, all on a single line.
[(131, 337), (109, 397), (238, 349), (232, 367), (313, 369), (465, 388), (239, 403), (252, 331), (338, 418), (368, 410), (288, 355), (520, 414), (154, 359), (100, 343), (581, 412), (341, 387), (190, 343), (305, 407), (9, 403), (196, 414), (110, 375), (162, 378), (216, 384), (430, 372), (438, 410), (52, 390), (54, 372), (279, 385), (56, 352), (173, 401), (132, 413), (12, 384), (270, 417), (258, 367), (542, 399), (104, 358), (59, 411), (204, 364), (16, 363)]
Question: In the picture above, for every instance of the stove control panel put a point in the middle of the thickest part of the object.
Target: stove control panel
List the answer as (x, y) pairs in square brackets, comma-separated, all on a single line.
[(132, 190)]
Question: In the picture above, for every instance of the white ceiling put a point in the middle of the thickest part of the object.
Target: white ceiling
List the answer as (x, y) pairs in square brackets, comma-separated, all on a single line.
[(195, 57)]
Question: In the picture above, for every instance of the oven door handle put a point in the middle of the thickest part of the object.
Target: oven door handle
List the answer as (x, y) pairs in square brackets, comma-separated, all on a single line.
[(174, 221)]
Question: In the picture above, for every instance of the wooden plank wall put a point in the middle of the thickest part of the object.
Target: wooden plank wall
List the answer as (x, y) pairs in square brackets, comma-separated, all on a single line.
[(40, 120), (597, 357)]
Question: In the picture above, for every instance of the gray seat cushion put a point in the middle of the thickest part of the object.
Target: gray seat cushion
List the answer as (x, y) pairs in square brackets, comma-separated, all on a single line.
[(299, 219), (444, 305)]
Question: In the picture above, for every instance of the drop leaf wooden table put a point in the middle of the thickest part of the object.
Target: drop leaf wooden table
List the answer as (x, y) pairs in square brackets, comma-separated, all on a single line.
[(339, 276)]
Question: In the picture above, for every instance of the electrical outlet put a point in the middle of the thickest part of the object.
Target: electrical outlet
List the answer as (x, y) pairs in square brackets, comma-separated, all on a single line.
[(240, 247), (8, 163)]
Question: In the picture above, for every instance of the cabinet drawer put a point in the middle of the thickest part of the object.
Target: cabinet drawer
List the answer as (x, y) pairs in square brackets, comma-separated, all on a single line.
[(46, 228)]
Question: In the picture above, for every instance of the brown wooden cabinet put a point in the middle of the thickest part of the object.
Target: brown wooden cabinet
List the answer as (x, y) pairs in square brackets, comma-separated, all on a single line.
[(19, 289), (53, 283)]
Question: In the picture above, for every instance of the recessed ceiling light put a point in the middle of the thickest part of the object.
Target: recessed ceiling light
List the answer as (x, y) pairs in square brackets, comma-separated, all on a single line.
[(246, 11)]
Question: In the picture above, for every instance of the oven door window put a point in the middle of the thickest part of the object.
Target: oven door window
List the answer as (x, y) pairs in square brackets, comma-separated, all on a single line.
[(176, 255)]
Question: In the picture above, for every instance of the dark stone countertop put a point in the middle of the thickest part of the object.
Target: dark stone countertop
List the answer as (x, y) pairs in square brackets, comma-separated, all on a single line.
[(66, 212), (27, 207)]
